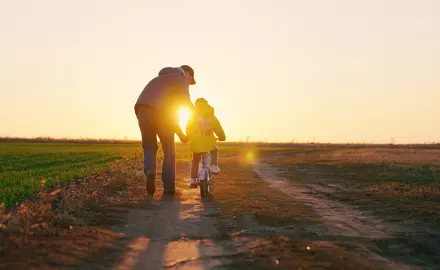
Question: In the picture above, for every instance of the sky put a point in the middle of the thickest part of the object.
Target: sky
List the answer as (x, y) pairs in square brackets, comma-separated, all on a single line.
[(280, 70)]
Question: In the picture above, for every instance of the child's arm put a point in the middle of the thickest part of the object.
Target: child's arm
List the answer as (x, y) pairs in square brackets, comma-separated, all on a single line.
[(218, 130)]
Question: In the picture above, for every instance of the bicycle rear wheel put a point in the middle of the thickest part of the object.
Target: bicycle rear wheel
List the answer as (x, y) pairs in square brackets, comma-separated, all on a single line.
[(205, 187)]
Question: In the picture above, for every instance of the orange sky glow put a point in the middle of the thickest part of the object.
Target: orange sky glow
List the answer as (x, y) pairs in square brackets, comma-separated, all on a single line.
[(282, 70)]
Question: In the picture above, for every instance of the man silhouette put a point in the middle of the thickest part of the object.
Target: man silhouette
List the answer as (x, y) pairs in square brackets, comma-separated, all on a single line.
[(156, 111)]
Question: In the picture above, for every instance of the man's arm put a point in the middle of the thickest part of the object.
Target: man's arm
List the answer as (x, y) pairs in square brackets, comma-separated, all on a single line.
[(179, 132), (182, 90)]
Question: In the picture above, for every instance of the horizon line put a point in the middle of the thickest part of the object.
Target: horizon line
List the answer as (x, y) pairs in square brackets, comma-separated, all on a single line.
[(126, 140)]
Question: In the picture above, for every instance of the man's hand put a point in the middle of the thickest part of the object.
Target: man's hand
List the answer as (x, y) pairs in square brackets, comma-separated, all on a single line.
[(179, 132), (183, 138)]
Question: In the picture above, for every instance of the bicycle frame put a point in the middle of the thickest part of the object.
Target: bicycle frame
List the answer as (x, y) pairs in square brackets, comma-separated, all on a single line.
[(206, 163), (204, 176)]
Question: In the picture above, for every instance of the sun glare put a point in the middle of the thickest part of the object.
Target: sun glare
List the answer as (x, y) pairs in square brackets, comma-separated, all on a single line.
[(183, 114)]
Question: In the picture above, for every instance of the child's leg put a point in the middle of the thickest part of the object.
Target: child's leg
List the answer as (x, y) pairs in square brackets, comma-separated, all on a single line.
[(195, 164), (214, 161), (214, 156)]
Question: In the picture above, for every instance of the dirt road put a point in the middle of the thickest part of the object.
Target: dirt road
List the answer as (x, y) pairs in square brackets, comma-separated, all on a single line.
[(264, 214), (189, 233), (179, 233)]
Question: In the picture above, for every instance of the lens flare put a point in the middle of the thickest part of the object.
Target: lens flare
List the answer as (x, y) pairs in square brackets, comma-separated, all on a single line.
[(250, 157), (184, 116)]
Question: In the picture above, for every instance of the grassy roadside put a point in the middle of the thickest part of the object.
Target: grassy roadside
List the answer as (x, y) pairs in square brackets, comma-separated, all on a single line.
[(397, 184), (69, 225)]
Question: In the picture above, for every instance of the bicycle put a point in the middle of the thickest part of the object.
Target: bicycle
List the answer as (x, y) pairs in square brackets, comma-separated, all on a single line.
[(204, 177)]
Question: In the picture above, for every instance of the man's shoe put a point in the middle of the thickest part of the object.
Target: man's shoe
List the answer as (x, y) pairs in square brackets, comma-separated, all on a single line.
[(215, 169), (193, 183), (175, 192), (151, 183)]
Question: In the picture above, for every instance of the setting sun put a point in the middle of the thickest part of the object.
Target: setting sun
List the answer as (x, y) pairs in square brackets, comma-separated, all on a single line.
[(184, 115)]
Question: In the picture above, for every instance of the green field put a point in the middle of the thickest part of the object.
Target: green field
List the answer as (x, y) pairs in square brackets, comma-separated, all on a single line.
[(23, 165)]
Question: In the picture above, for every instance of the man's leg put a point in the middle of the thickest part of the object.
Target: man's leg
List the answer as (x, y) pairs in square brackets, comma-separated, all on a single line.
[(166, 136), (146, 121)]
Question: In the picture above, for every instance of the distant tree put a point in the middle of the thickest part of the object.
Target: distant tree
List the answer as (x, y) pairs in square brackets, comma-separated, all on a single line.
[(392, 141)]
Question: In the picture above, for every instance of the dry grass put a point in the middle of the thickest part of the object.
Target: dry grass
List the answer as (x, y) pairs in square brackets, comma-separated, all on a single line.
[(424, 193), (370, 167), (55, 228), (390, 156), (396, 183)]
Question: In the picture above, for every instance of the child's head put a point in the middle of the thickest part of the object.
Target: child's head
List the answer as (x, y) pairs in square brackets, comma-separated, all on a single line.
[(202, 107)]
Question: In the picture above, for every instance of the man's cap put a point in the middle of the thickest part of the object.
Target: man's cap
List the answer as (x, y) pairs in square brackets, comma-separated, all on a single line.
[(190, 70)]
